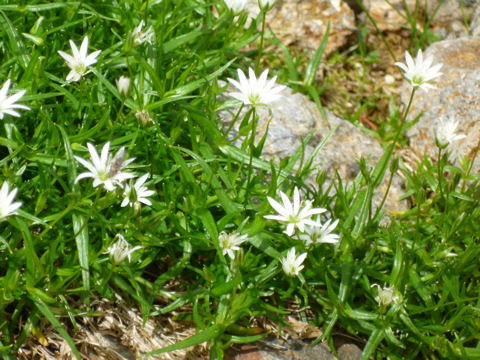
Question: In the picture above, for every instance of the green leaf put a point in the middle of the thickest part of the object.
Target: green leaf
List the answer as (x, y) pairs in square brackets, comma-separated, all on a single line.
[(80, 228), (317, 57), (45, 310), (206, 335), (375, 338)]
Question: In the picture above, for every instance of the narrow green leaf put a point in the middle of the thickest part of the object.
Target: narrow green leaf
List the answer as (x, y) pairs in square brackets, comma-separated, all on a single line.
[(182, 39), (45, 310), (206, 335), (375, 338), (80, 228), (317, 57)]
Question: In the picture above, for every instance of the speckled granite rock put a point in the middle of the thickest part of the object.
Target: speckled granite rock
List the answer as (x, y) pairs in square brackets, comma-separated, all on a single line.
[(294, 117), (449, 19), (475, 25), (457, 94), (284, 20), (386, 16)]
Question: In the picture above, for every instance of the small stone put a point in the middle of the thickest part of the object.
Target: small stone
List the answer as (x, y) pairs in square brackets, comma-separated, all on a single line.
[(349, 352)]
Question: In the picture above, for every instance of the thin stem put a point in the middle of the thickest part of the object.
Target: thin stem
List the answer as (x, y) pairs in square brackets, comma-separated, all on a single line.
[(252, 148), (439, 173), (106, 280), (379, 32), (262, 36), (404, 117), (234, 120)]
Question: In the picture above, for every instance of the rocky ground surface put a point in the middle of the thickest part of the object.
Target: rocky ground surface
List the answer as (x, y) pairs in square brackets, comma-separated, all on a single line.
[(118, 332)]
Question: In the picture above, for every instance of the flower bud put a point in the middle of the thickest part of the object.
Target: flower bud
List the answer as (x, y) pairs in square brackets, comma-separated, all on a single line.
[(123, 86), (266, 5)]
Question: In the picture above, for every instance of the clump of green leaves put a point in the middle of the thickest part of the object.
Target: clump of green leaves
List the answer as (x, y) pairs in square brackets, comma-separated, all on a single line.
[(404, 289)]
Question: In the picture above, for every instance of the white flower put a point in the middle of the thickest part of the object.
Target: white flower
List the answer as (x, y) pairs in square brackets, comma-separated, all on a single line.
[(336, 4), (121, 250), (292, 264), (144, 117), (105, 170), (266, 5), (79, 62), (229, 242), (445, 132), (385, 295), (255, 92), (292, 214), (7, 206), (140, 37), (420, 73), (236, 6), (138, 193), (7, 103), (320, 233), (123, 86)]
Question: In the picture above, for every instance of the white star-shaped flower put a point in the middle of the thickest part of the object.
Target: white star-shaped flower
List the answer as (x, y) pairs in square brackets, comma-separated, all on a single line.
[(445, 132), (321, 233), (7, 103), (79, 62), (139, 37), (121, 250), (255, 91), (105, 170), (7, 206), (420, 73), (138, 193), (385, 295), (236, 6), (292, 214), (229, 242), (291, 264)]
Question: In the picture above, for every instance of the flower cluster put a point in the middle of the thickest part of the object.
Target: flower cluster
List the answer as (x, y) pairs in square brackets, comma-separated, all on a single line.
[(109, 172), (299, 215)]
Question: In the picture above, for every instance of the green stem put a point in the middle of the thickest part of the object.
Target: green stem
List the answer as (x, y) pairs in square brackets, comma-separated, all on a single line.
[(379, 32), (262, 37), (234, 120), (440, 176), (252, 148), (109, 276)]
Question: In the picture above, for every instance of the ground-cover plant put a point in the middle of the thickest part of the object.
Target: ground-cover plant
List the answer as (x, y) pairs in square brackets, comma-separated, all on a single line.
[(118, 177)]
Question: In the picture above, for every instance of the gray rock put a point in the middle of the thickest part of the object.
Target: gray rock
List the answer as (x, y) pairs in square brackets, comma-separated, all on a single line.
[(475, 25), (450, 19), (294, 117), (388, 17), (274, 349), (457, 94), (302, 23)]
